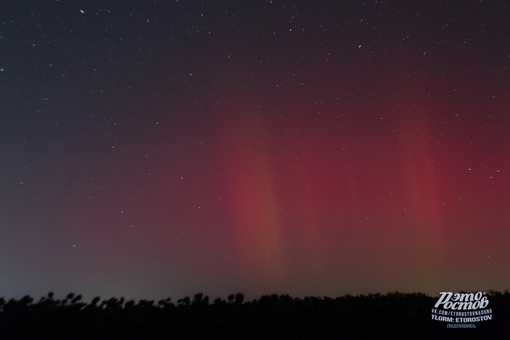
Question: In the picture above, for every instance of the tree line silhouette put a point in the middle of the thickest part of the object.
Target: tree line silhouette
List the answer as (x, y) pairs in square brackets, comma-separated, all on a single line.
[(390, 316)]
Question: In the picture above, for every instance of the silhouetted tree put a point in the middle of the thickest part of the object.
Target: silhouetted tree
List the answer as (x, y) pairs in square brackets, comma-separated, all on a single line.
[(197, 298), (239, 298), (185, 301)]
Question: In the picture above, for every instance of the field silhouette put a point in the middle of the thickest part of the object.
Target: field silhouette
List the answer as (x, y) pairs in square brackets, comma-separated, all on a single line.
[(373, 316)]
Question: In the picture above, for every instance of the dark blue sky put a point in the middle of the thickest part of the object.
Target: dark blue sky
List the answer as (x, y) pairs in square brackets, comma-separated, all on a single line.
[(164, 148)]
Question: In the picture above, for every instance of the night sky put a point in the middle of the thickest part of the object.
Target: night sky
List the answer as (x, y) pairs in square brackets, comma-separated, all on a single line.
[(154, 149)]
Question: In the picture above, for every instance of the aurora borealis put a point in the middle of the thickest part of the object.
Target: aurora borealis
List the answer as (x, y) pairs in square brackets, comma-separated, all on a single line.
[(157, 148)]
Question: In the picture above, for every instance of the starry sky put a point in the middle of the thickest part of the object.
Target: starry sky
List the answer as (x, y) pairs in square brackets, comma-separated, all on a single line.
[(163, 148)]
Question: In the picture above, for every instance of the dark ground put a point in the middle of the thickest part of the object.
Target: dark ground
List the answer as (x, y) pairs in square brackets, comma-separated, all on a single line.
[(374, 316)]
